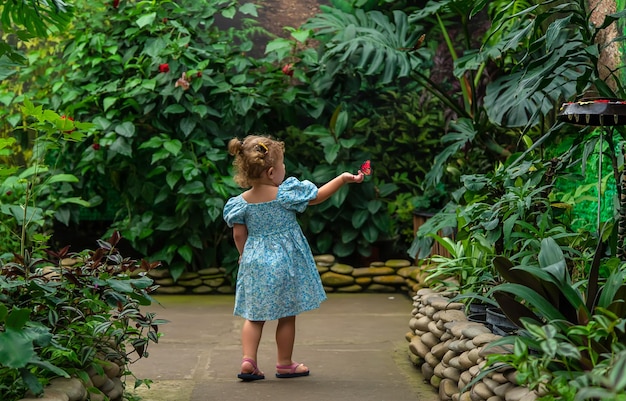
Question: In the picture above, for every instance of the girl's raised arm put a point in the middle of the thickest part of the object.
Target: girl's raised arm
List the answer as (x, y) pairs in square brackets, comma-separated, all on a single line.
[(332, 186)]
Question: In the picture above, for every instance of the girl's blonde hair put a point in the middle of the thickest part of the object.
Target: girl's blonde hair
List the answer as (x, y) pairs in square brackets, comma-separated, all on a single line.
[(253, 156)]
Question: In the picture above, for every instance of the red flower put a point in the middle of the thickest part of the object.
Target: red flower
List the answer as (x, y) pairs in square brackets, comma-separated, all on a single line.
[(288, 70), (366, 168), (96, 146), (9, 193), (164, 67), (199, 74), (116, 3)]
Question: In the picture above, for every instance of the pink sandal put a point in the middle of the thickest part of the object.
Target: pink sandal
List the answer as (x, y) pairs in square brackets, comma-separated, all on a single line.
[(256, 374), (292, 371)]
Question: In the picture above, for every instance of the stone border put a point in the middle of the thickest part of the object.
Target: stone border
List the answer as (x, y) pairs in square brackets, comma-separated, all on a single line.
[(451, 351), (395, 275), (105, 384)]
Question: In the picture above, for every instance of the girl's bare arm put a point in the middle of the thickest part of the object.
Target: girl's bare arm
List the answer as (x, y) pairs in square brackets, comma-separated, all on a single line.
[(332, 186)]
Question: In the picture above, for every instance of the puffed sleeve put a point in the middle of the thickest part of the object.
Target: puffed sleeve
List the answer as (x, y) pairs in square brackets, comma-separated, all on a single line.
[(295, 195), (234, 211)]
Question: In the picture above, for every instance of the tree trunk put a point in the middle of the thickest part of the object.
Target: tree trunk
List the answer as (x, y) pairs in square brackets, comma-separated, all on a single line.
[(610, 53)]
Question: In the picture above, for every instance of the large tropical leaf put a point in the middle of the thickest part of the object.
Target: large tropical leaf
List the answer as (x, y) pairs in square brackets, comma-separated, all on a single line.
[(513, 99), (368, 42), (543, 307)]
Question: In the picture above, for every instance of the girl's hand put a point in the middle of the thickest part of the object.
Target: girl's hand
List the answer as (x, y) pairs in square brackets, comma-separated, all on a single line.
[(353, 178)]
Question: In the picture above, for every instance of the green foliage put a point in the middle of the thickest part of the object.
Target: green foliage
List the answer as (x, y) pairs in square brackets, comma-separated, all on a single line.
[(34, 193), (563, 365), (25, 20), (467, 270), (61, 316), (166, 87)]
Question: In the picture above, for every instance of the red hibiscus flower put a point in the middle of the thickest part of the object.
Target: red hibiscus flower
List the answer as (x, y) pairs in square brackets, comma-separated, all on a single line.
[(116, 3), (164, 67), (288, 70)]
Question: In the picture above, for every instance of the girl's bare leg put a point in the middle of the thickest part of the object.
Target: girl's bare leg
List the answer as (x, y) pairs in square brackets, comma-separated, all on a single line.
[(285, 338), (250, 339)]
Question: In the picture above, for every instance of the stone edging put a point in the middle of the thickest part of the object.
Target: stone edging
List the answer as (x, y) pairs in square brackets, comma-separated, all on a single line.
[(451, 351), (395, 275), (108, 383)]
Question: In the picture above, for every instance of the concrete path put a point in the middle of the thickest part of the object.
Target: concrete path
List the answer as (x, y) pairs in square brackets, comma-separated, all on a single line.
[(354, 346)]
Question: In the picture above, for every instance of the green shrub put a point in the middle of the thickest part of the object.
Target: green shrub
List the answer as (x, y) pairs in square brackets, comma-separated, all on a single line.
[(61, 316)]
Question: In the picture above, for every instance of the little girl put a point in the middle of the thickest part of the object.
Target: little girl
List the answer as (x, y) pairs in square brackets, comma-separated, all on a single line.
[(277, 278)]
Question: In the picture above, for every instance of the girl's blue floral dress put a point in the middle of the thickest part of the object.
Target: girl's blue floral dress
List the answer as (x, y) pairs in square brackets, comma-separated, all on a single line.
[(277, 274)]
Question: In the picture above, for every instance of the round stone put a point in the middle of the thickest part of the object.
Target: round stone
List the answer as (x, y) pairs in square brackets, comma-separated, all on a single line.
[(439, 370), (447, 356), (341, 268), (364, 281), (484, 338), (397, 263), (351, 288), (209, 271), (450, 316), (389, 280), (322, 269), (417, 347), (474, 355), (381, 288), (449, 386), (159, 273), (71, 386), (455, 363), (406, 271), (430, 340), (203, 289), (503, 389), (332, 279), (433, 328), (464, 361), (474, 330), (435, 380), (176, 289), (216, 282), (372, 271), (517, 393), (188, 276), (191, 282), (452, 374), (423, 323), (431, 359), (326, 258), (226, 289), (164, 281), (427, 371)]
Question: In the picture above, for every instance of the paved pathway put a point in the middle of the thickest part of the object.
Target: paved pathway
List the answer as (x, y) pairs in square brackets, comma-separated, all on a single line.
[(354, 345)]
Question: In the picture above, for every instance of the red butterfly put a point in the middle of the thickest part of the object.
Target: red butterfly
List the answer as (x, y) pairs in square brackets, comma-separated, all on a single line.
[(366, 168)]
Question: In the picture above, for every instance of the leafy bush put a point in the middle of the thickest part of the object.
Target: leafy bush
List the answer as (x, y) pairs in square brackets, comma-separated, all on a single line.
[(61, 316)]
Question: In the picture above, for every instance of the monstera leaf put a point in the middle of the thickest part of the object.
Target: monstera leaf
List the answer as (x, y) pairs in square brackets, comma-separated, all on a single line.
[(368, 42)]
